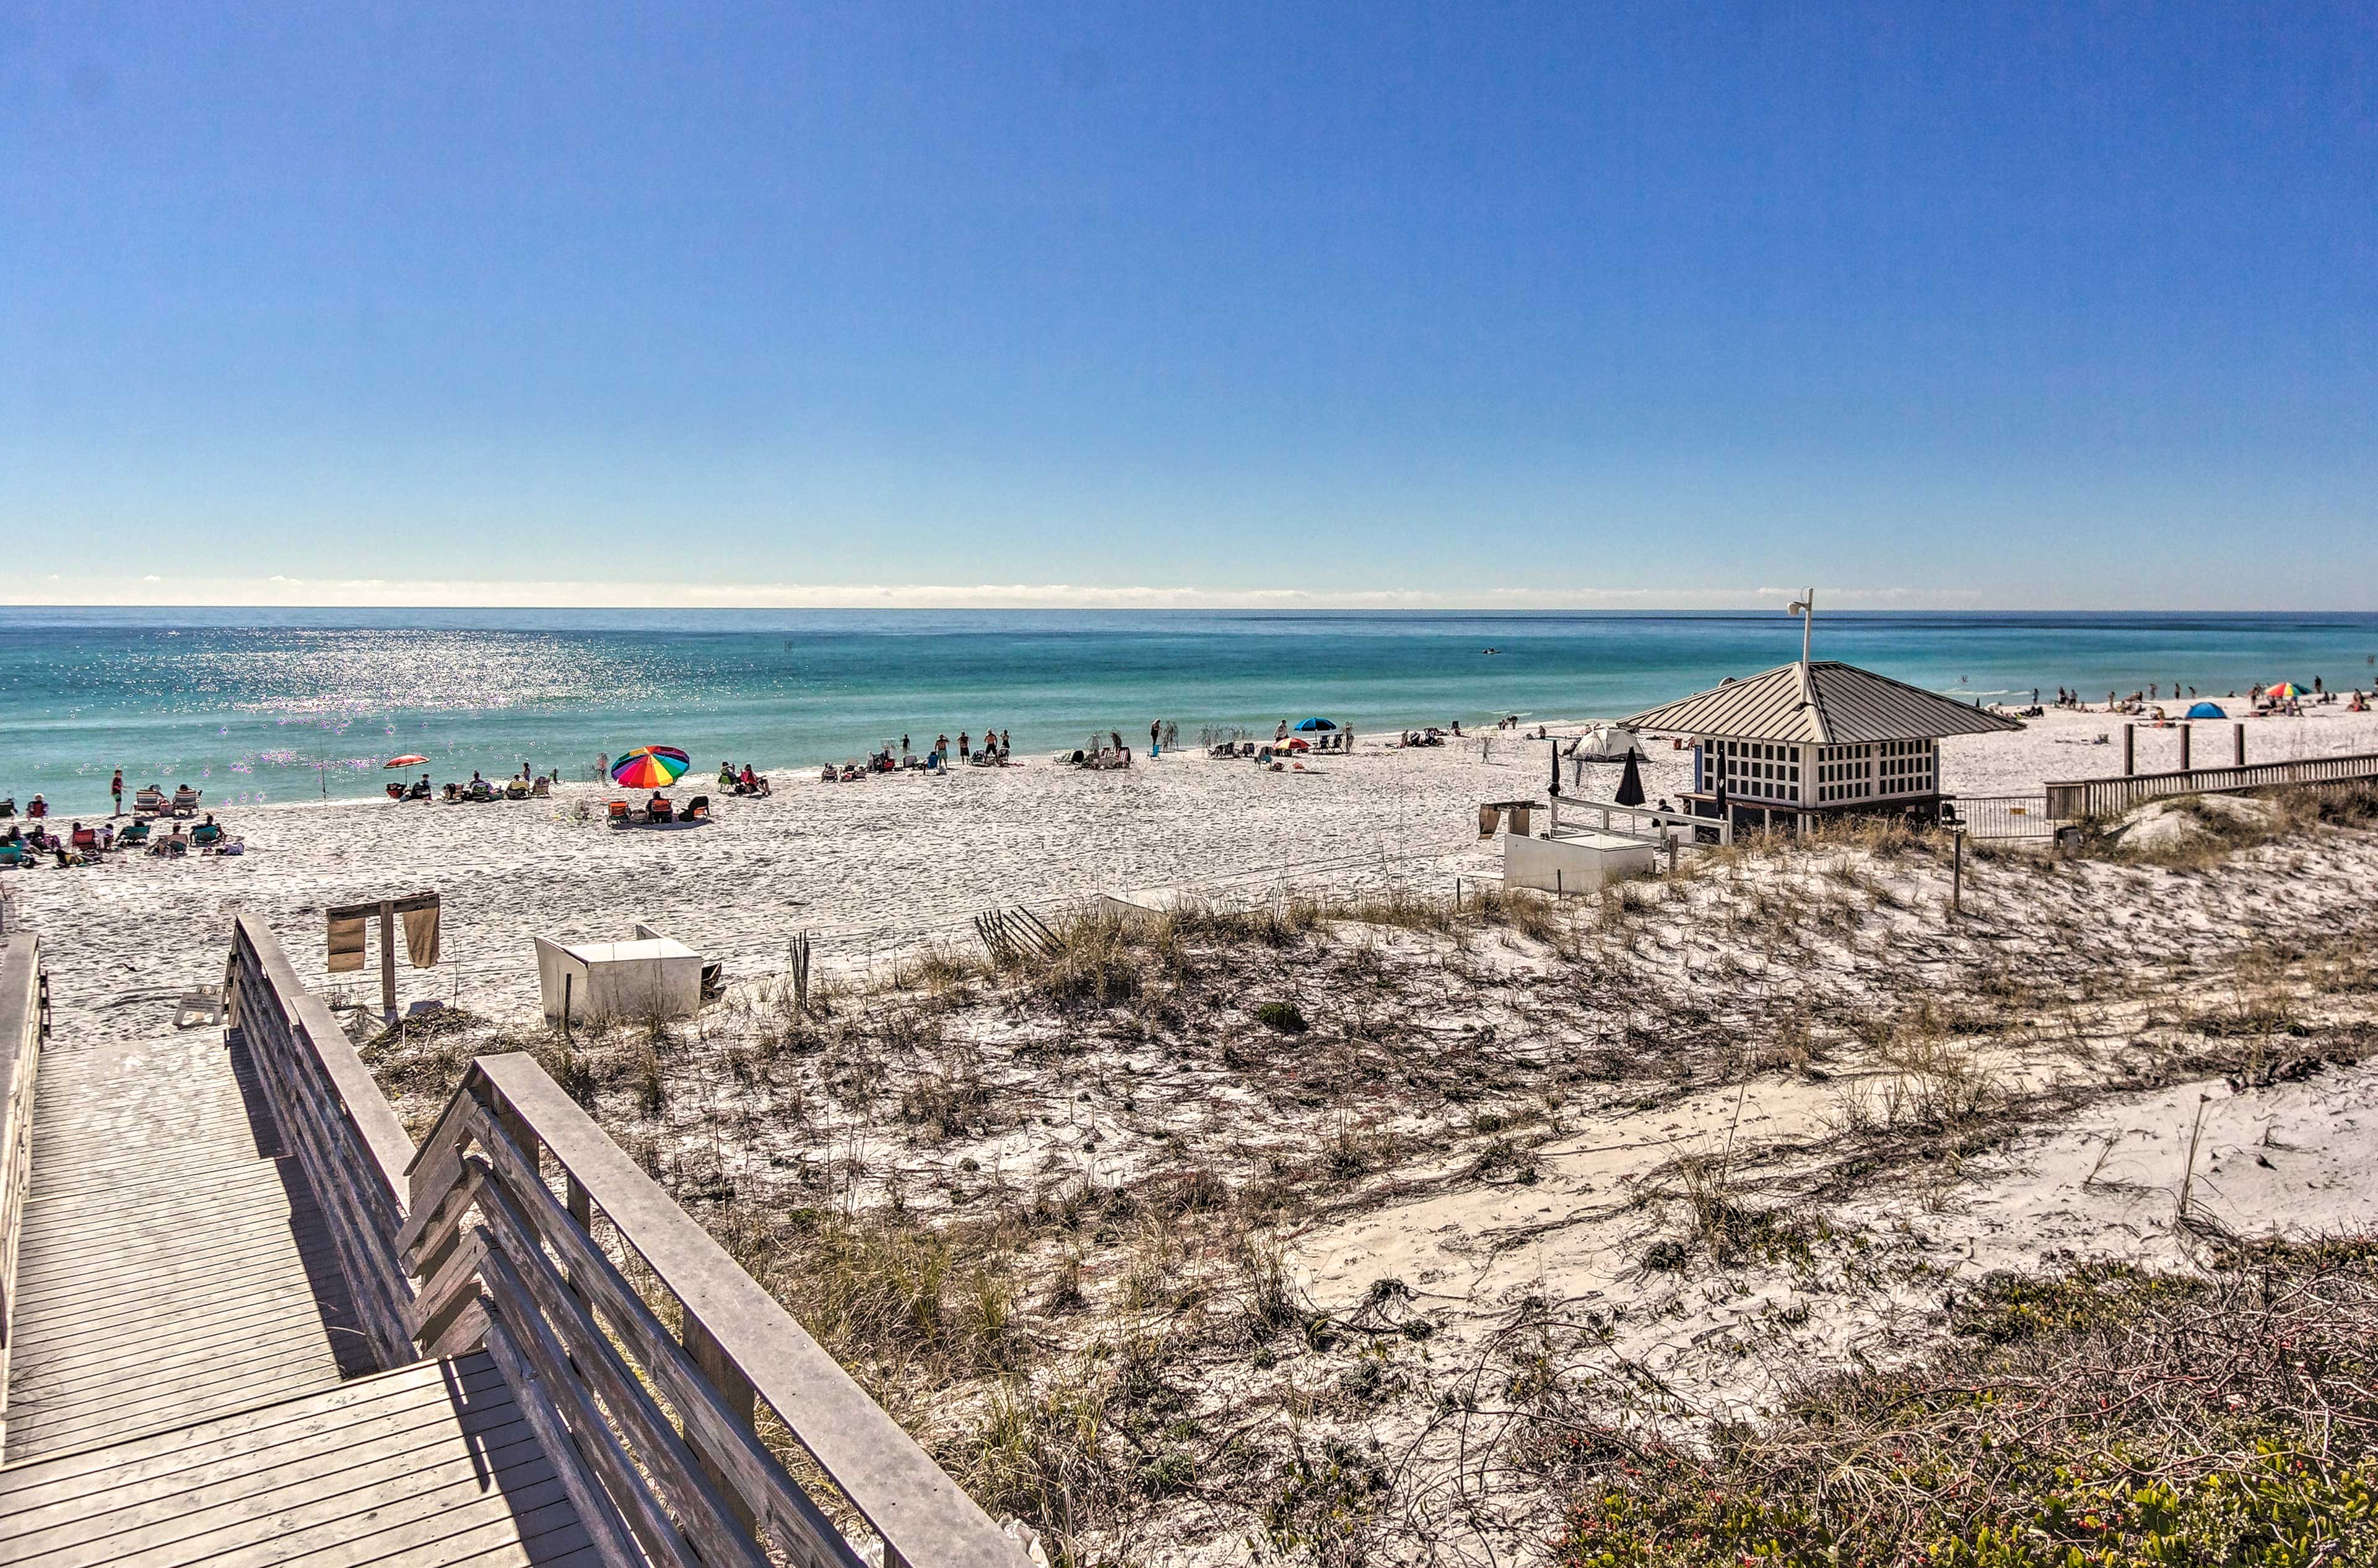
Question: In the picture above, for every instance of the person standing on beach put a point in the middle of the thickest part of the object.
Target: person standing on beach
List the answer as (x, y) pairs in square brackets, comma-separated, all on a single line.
[(1155, 736), (115, 791)]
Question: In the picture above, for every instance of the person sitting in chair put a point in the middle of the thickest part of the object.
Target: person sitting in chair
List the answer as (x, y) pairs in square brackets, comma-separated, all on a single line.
[(207, 833), (657, 808)]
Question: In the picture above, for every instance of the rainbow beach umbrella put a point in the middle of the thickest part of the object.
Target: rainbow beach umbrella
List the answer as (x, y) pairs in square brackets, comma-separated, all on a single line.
[(650, 767), (2286, 692)]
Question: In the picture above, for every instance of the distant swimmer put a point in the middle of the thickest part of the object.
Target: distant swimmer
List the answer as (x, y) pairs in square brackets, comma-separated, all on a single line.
[(1490, 650)]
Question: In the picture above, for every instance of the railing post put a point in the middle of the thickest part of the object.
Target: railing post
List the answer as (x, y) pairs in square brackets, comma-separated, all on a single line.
[(2238, 730), (2129, 749), (2185, 731), (736, 1390)]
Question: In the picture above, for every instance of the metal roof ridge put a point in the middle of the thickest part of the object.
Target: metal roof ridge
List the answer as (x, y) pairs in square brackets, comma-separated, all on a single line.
[(1812, 699)]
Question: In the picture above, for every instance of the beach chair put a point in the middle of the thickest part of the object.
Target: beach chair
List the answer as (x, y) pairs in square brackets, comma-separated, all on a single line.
[(149, 803), (541, 789), (697, 809), (133, 836), (660, 810), (185, 801), (616, 813), (86, 838), (206, 835), (12, 855)]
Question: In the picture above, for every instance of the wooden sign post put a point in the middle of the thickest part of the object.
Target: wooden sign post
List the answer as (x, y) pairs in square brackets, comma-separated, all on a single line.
[(388, 909)]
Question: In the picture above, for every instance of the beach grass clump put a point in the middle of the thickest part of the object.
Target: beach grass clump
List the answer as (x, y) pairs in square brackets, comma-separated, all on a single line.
[(2108, 1416), (2198, 832), (883, 1290)]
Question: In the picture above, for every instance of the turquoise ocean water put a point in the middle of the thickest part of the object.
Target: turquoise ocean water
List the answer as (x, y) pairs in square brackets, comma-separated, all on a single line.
[(289, 705)]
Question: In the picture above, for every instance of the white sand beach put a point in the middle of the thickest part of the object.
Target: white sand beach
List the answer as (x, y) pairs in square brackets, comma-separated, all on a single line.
[(875, 867)]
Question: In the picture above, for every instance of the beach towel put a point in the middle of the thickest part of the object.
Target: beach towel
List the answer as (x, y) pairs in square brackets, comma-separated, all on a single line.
[(346, 944), (421, 937)]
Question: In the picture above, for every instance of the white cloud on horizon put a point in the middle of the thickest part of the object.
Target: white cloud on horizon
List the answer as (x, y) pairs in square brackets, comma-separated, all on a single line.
[(279, 591)]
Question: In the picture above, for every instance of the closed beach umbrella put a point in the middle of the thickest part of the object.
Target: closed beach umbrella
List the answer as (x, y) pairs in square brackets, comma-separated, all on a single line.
[(650, 767), (410, 759), (1630, 784), (1317, 725)]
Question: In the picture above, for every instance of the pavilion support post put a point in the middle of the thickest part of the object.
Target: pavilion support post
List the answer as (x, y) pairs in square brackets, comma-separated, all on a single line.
[(2184, 731), (2239, 730), (2129, 749)]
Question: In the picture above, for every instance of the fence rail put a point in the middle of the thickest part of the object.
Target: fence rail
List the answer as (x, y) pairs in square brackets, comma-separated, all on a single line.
[(334, 1116), (2073, 799), (24, 1026), (592, 1362)]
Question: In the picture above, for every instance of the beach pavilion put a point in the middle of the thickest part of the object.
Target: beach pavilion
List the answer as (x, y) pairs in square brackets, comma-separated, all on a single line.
[(1815, 738)]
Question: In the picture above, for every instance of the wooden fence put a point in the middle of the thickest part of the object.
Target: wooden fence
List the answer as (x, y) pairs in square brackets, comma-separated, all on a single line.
[(24, 1025), (671, 1470), (2005, 816), (333, 1118), (2074, 799)]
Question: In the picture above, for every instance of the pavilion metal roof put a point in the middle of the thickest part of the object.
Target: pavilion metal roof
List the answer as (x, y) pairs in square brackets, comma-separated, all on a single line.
[(1823, 704)]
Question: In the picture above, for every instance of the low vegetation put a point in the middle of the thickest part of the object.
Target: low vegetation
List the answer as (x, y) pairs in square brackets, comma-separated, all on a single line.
[(2103, 1417), (1047, 1204)]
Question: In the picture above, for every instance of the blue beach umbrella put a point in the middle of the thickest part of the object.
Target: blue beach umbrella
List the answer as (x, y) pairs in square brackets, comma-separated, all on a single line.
[(1317, 725)]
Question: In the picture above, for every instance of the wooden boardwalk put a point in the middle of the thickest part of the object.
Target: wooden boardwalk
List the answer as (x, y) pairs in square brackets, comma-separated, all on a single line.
[(429, 1464), (122, 1327), (249, 1321), (182, 1342)]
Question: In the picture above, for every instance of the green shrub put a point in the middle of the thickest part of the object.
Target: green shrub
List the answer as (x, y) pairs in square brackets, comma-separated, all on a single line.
[(1284, 1016)]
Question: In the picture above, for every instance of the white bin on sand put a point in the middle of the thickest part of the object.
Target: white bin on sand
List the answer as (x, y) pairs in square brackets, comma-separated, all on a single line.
[(1576, 862), (651, 976)]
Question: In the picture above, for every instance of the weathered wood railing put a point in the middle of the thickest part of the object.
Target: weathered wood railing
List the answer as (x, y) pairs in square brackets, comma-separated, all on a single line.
[(332, 1116), (24, 1025), (673, 1472), (2072, 799)]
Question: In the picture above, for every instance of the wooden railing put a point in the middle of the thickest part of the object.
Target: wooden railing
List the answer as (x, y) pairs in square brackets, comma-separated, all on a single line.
[(672, 1471), (334, 1118), (2004, 816), (2073, 799), (24, 1025)]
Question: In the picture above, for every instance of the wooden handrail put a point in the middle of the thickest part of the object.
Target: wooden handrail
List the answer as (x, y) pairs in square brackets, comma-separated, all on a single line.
[(587, 1352), (24, 1025), (331, 1114)]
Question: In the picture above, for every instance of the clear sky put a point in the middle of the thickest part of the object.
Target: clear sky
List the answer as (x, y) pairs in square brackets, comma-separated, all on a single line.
[(1657, 305)]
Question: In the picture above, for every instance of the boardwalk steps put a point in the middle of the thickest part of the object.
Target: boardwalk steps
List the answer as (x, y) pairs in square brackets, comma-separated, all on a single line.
[(246, 1321)]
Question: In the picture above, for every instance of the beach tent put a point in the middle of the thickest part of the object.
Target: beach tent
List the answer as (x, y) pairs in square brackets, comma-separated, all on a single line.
[(1607, 741), (2207, 711), (1317, 725)]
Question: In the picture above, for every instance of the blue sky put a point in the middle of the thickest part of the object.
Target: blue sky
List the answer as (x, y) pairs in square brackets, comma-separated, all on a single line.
[(1457, 305)]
